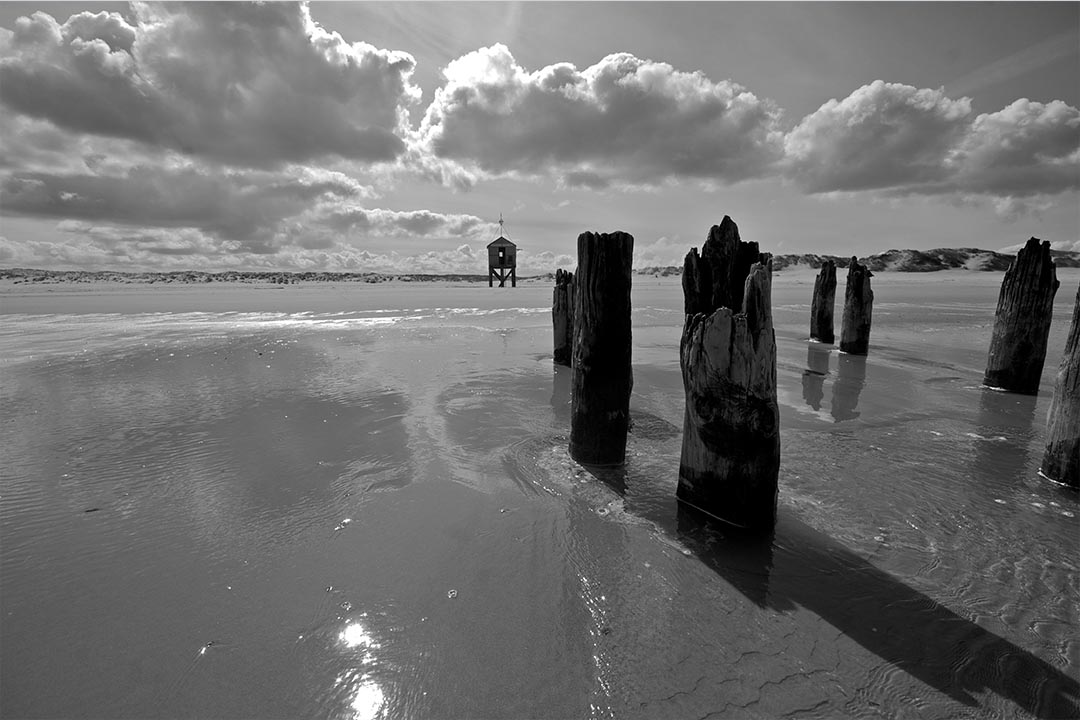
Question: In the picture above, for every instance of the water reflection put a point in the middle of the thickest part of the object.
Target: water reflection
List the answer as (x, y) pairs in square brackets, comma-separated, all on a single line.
[(1002, 433), (850, 379), (902, 626), (367, 698), (354, 635), (813, 378), (368, 701), (592, 536), (560, 392)]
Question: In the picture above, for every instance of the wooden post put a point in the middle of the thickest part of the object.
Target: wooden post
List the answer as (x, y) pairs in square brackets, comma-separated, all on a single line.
[(562, 316), (1062, 459), (821, 309), (730, 459), (858, 305), (602, 377), (1022, 321)]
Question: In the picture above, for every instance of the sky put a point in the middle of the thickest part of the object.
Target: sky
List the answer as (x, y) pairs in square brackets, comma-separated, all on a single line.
[(391, 136)]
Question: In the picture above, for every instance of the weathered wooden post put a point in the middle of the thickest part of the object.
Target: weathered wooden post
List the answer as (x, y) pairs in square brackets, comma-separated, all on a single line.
[(562, 316), (1022, 321), (602, 376), (858, 306), (1062, 459), (730, 459), (821, 309)]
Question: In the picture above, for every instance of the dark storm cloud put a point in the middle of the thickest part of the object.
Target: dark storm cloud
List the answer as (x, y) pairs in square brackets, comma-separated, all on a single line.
[(246, 207), (244, 84), (405, 223), (591, 180)]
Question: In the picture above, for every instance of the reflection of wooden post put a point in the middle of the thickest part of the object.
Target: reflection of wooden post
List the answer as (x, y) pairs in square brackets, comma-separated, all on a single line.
[(1062, 459), (731, 430), (1022, 321), (821, 309), (562, 316), (858, 306), (850, 380), (602, 377), (813, 377)]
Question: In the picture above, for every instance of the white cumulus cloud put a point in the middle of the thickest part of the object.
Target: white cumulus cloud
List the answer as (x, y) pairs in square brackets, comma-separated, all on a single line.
[(883, 135), (903, 140), (1025, 149), (623, 120), (246, 84)]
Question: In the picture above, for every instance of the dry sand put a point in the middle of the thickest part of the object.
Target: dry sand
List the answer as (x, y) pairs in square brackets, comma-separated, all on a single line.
[(114, 297)]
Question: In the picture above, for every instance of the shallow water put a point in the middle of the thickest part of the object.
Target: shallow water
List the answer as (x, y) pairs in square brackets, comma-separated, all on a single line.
[(357, 503)]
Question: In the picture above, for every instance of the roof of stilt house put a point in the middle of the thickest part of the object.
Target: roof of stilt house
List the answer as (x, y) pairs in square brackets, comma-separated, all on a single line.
[(502, 239)]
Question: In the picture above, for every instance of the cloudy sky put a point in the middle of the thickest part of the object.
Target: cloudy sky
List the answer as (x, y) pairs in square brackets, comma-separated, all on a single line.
[(390, 136)]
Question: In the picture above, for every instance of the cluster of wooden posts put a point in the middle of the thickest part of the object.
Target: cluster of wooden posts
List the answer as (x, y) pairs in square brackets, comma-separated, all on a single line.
[(730, 462)]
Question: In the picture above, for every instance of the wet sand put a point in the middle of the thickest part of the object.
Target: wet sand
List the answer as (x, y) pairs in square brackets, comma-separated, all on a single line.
[(355, 501)]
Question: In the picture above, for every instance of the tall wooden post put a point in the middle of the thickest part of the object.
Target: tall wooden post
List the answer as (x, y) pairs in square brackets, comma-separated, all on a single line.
[(1062, 459), (730, 459), (821, 308), (1022, 321), (562, 316), (602, 377), (858, 307)]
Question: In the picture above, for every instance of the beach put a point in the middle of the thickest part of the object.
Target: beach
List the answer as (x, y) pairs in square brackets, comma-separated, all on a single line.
[(354, 500)]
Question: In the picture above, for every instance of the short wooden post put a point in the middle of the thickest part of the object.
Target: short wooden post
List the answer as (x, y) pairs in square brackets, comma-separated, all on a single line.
[(1062, 459), (602, 377), (562, 316), (821, 309), (858, 306), (730, 459), (1022, 321)]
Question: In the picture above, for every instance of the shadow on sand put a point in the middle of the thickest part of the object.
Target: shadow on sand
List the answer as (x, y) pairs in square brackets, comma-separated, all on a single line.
[(799, 566)]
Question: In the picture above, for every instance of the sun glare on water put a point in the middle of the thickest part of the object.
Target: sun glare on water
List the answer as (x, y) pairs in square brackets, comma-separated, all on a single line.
[(367, 697)]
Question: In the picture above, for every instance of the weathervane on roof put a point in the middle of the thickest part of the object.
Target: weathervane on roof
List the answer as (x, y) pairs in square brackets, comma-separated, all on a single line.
[(502, 259)]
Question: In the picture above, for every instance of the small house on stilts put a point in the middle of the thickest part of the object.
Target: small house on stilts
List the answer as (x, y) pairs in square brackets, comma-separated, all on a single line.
[(502, 259)]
